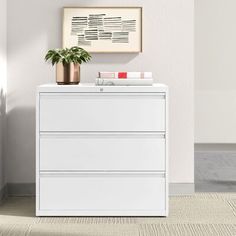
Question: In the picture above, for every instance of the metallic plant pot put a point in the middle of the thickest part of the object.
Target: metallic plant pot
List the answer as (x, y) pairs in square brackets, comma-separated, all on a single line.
[(68, 74)]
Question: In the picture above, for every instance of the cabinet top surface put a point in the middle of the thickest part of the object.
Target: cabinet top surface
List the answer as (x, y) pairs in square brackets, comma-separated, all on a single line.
[(90, 87)]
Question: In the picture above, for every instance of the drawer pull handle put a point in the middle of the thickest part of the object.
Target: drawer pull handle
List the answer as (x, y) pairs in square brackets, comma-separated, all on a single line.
[(101, 174)]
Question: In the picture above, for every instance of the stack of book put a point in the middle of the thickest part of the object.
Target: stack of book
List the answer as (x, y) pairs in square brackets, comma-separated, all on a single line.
[(125, 78)]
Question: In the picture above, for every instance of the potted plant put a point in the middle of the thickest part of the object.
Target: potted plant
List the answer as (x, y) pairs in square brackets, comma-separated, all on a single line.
[(68, 62)]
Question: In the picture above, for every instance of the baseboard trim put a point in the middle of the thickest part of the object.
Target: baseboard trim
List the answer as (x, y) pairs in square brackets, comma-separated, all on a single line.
[(21, 189), (28, 189), (3, 193), (181, 188), (215, 147)]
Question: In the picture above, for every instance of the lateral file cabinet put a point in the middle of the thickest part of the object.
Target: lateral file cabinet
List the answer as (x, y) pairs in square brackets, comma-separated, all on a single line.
[(102, 151)]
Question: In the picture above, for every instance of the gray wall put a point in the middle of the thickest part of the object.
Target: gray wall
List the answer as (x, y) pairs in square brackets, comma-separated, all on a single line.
[(215, 73), (35, 26), (3, 69)]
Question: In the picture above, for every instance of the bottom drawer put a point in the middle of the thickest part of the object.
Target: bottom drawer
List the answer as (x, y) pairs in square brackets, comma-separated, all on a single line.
[(103, 194)]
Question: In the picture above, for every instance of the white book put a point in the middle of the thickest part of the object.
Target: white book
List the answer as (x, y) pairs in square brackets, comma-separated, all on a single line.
[(124, 82), (125, 78)]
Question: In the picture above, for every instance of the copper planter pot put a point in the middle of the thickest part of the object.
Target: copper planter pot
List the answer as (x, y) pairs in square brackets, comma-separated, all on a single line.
[(67, 74)]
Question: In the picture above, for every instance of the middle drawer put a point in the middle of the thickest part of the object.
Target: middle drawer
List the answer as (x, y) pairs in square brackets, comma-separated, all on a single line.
[(94, 152)]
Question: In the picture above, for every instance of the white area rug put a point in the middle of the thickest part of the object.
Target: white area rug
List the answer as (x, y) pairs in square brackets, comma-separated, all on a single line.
[(199, 214)]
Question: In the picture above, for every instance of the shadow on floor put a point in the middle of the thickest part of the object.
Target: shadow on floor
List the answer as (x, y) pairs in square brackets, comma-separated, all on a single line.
[(18, 206)]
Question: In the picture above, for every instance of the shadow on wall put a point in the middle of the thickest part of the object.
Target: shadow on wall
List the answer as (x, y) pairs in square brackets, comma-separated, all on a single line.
[(113, 58), (2, 132), (2, 103), (21, 145)]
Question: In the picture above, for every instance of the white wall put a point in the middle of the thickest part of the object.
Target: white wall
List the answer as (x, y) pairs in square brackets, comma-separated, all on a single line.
[(215, 71), (3, 70), (35, 26)]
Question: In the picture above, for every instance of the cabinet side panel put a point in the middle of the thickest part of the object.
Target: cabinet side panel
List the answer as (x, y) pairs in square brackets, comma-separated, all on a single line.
[(37, 154), (167, 151)]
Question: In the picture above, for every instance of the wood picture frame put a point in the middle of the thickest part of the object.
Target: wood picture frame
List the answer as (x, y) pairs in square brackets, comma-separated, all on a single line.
[(103, 29)]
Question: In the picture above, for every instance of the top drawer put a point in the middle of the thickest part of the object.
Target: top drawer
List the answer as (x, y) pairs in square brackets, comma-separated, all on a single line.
[(102, 112)]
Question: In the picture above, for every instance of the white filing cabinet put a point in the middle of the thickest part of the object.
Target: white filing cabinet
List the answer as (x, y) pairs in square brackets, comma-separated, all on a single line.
[(102, 151)]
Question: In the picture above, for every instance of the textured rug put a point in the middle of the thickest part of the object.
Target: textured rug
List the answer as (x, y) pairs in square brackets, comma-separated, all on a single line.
[(199, 214)]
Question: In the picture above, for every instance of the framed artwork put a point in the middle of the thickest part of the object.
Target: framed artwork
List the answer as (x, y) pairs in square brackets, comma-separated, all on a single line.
[(103, 29)]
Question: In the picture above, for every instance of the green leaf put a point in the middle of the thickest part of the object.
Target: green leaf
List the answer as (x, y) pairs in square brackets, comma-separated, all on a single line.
[(68, 55)]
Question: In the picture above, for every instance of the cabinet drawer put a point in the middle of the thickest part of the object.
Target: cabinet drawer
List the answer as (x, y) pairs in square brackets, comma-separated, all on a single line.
[(102, 152), (102, 112), (102, 194)]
